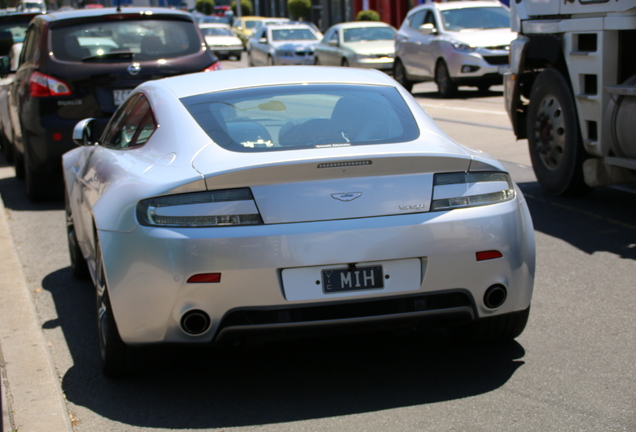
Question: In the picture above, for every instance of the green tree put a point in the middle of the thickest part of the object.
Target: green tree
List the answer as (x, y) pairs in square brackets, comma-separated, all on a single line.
[(299, 9), (246, 8), (368, 15), (206, 7)]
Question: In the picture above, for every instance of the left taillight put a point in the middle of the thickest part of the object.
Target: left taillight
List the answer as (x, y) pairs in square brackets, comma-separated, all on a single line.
[(41, 85), (213, 67), (229, 207), (470, 189)]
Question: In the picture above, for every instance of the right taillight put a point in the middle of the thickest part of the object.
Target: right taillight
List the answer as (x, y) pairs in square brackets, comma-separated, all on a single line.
[(41, 85)]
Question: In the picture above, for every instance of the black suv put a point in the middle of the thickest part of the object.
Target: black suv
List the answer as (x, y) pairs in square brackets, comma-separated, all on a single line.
[(84, 63)]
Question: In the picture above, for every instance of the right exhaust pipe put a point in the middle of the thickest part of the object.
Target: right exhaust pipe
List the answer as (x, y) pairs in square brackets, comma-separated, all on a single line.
[(495, 296), (195, 322)]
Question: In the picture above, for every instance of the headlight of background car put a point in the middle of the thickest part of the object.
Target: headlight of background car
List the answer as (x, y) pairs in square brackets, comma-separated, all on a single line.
[(229, 207), (460, 190), (460, 46)]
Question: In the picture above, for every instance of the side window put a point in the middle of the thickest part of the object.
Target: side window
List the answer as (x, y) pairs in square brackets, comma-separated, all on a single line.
[(131, 126), (334, 37), (417, 19)]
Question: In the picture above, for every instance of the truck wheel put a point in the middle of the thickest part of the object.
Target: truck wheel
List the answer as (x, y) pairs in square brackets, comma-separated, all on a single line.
[(445, 85), (554, 140), (399, 73)]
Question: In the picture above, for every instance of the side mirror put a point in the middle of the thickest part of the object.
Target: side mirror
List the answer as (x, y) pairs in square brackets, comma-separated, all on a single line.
[(84, 132), (427, 29), (262, 40)]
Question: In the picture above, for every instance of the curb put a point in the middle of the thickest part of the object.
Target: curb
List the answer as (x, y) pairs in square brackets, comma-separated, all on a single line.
[(32, 400)]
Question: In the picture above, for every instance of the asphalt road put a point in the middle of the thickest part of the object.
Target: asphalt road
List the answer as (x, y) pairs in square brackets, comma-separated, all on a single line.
[(573, 368)]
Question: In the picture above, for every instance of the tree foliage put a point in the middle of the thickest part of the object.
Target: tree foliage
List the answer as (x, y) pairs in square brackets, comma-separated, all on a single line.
[(299, 9), (246, 8), (368, 15), (204, 6)]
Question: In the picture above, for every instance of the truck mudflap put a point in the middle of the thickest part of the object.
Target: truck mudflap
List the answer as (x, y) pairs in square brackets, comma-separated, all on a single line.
[(512, 86)]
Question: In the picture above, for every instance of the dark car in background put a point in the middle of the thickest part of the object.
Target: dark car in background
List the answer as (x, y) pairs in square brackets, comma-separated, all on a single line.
[(13, 27), (84, 63)]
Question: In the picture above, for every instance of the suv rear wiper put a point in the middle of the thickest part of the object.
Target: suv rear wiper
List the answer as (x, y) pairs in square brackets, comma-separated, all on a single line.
[(117, 55)]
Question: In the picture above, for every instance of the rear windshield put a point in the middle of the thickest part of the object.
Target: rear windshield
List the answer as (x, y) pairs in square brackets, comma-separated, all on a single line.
[(309, 116), (125, 40)]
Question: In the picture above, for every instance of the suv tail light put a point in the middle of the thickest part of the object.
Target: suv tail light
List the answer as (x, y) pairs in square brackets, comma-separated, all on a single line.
[(213, 67), (41, 85)]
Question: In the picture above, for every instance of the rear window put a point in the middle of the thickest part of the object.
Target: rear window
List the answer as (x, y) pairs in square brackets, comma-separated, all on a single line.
[(125, 40), (309, 116)]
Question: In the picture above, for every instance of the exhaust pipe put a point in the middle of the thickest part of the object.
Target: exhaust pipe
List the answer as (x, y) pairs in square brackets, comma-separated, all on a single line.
[(195, 322), (495, 296)]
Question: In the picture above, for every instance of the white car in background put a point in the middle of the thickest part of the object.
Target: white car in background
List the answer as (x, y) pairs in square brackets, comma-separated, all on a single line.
[(460, 43), (221, 41), (293, 200), (283, 44), (363, 44)]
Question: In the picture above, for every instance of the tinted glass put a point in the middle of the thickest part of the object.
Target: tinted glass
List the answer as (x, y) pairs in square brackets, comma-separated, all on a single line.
[(123, 40), (131, 126), (476, 18), (216, 31), (309, 116), (364, 34)]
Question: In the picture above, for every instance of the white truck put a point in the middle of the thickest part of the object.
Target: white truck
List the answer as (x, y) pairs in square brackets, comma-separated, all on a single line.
[(571, 90)]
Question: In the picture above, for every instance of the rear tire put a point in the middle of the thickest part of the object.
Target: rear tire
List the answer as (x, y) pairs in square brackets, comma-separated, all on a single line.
[(118, 359), (399, 74), (39, 187), (554, 140), (79, 266), (445, 85), (500, 328), (7, 148), (344, 63), (18, 159)]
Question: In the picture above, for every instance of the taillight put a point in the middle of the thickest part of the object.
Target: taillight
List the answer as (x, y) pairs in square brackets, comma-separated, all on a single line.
[(41, 85), (213, 67)]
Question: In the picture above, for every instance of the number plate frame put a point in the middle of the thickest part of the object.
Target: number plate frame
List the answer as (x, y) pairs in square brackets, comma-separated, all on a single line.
[(352, 279)]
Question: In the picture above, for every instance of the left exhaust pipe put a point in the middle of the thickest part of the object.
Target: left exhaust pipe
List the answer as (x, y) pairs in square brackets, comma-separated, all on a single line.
[(195, 322)]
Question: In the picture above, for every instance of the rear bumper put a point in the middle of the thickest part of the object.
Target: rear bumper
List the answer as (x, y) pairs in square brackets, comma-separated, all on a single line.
[(147, 270)]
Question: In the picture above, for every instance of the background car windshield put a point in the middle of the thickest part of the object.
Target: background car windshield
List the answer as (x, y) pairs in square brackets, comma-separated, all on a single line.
[(15, 30), (368, 34), (216, 31), (292, 34), (310, 116), (146, 40), (476, 18)]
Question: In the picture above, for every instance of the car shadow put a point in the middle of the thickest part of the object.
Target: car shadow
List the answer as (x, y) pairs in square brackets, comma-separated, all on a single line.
[(281, 382), (600, 221), (14, 192)]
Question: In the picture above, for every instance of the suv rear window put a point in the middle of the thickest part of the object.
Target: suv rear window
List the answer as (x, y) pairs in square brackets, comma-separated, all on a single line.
[(140, 40), (303, 116)]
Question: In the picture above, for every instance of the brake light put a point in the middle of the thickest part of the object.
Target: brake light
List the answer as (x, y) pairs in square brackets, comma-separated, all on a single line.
[(213, 67), (41, 85)]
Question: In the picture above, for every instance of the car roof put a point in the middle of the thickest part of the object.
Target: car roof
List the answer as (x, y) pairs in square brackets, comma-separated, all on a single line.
[(467, 4), (234, 79), (357, 24), (109, 11)]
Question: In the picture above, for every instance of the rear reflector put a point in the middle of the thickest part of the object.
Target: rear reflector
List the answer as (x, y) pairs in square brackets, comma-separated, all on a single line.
[(488, 255), (205, 278)]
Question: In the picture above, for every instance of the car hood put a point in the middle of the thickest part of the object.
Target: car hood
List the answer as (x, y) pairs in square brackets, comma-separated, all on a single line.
[(375, 47), (484, 38)]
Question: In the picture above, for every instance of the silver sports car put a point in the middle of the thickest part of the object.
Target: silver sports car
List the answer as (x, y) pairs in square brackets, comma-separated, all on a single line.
[(244, 203)]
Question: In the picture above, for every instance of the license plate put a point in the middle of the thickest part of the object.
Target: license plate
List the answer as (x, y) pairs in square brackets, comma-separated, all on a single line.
[(352, 279), (120, 96)]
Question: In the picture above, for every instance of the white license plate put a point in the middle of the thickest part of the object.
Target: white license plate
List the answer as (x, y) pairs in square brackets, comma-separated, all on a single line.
[(120, 96)]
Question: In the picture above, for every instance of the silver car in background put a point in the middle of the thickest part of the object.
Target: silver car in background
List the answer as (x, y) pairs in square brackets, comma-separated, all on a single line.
[(221, 41), (289, 201), (454, 43), (282, 44), (363, 44)]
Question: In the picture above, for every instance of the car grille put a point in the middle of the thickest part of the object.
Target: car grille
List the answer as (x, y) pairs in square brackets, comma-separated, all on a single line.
[(304, 53), (496, 60)]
